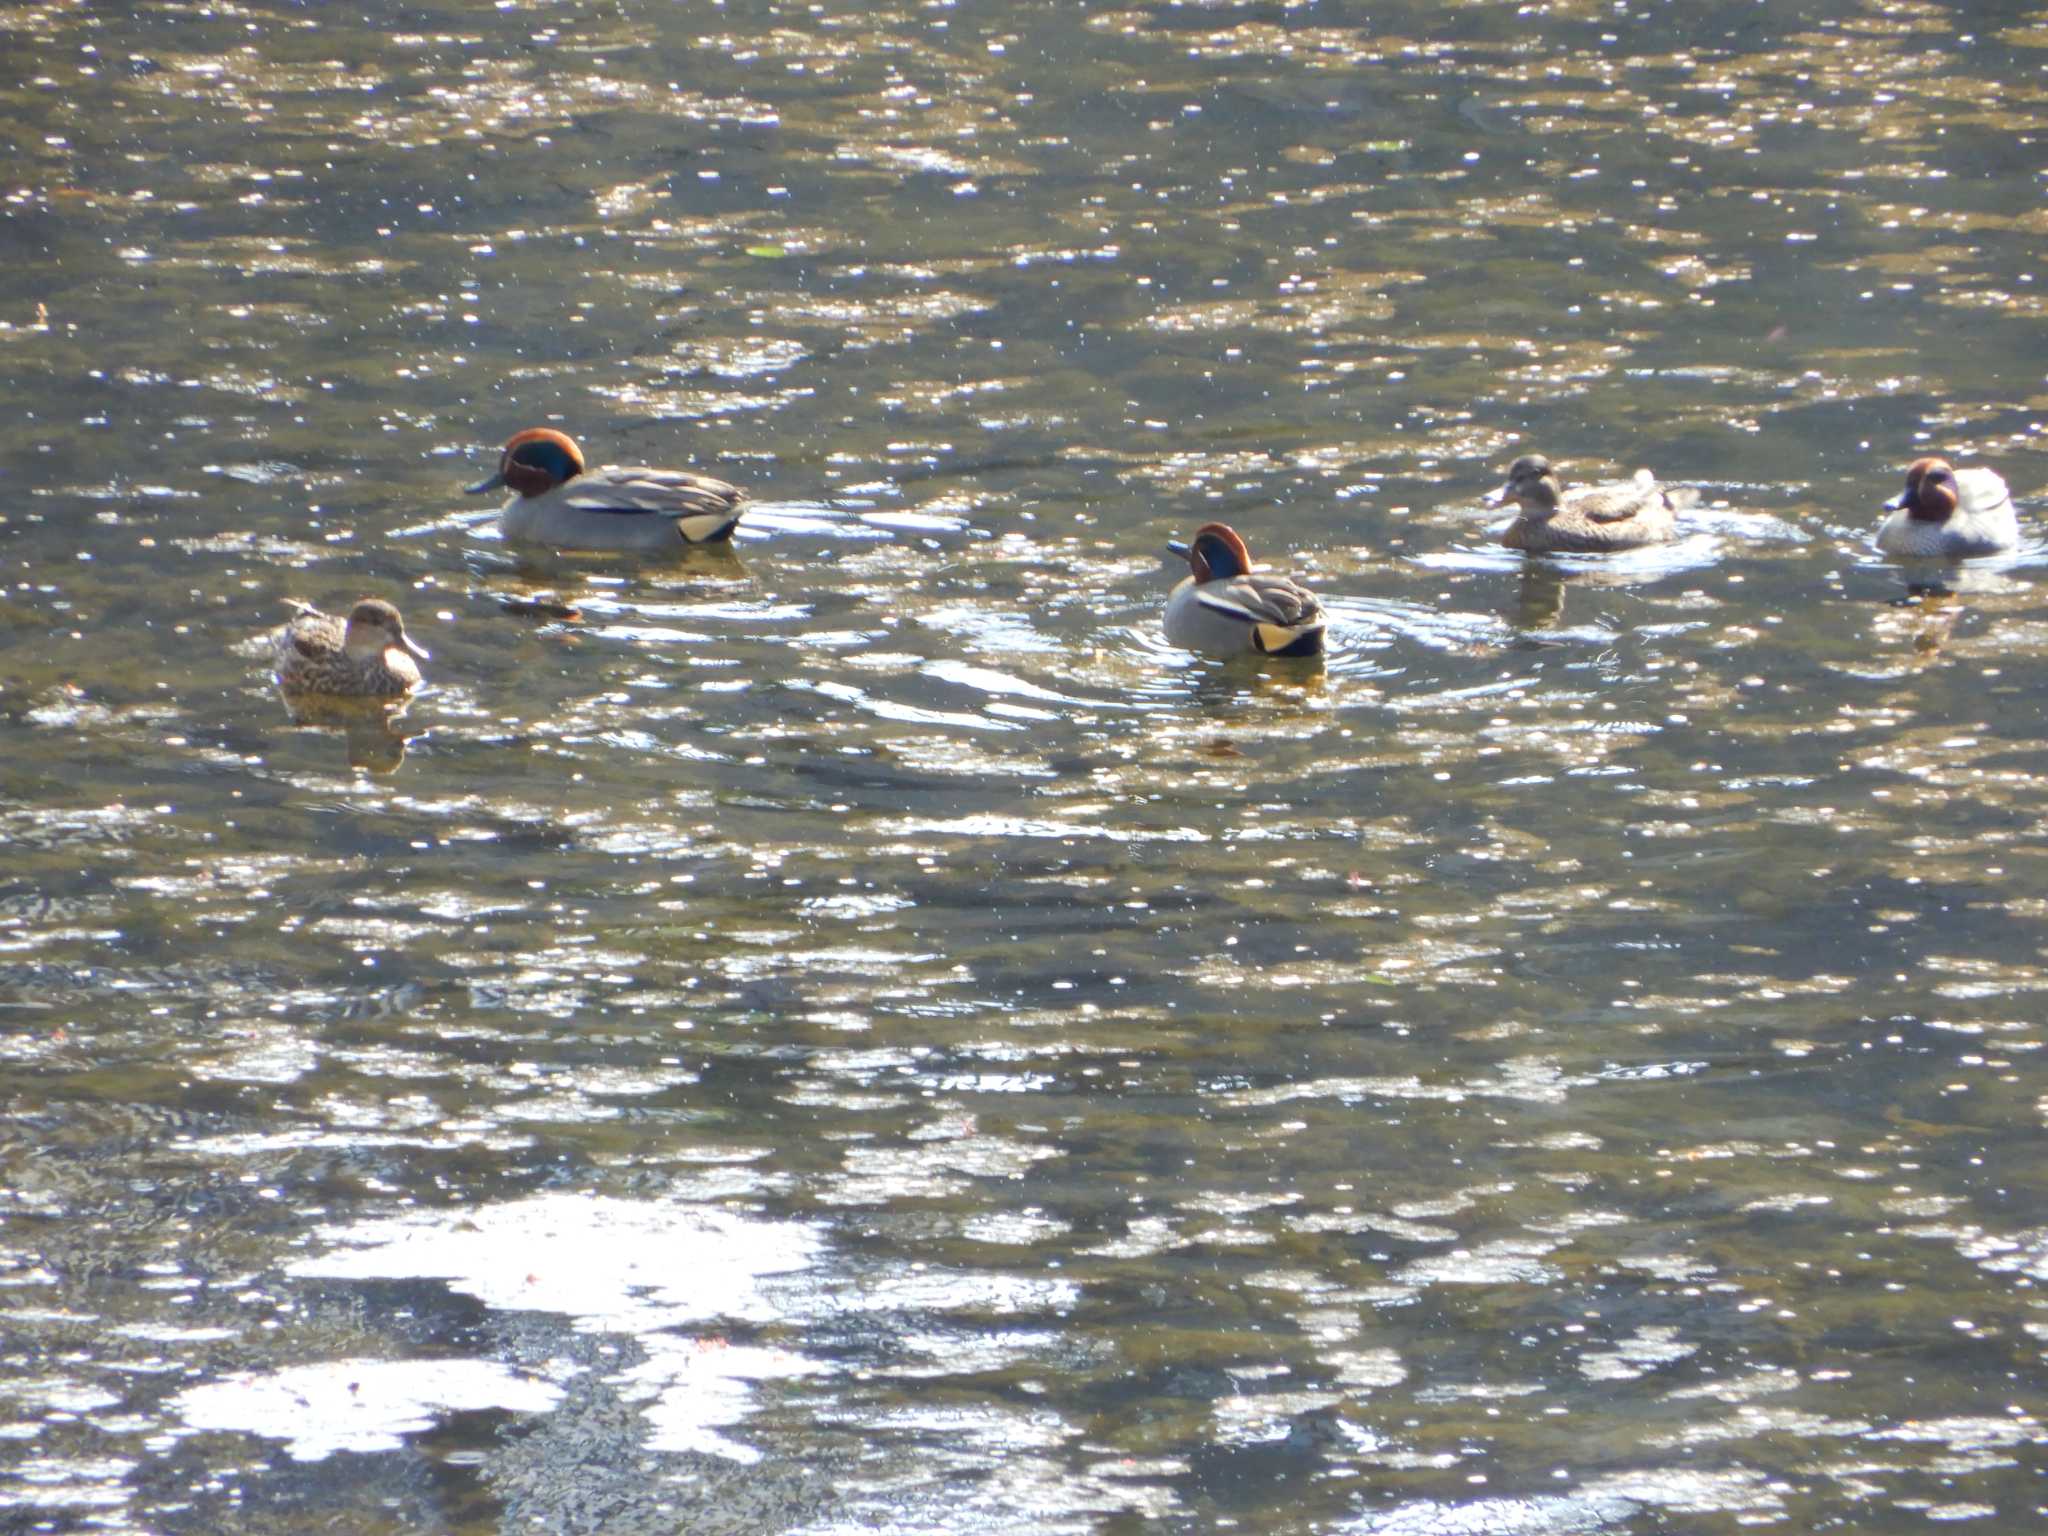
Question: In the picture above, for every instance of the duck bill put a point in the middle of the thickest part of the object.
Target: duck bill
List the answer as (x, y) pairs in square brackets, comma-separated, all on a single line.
[(1177, 547), (1899, 502), (1502, 494), (413, 648), (493, 483)]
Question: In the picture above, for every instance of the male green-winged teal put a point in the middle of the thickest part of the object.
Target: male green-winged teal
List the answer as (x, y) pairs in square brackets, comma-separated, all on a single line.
[(1224, 609), (557, 501), (1949, 514)]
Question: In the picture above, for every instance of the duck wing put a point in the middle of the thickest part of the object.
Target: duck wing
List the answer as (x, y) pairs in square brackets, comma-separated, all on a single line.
[(1620, 500), (1284, 617), (654, 492), (1983, 491), (312, 633), (1260, 600), (1617, 503)]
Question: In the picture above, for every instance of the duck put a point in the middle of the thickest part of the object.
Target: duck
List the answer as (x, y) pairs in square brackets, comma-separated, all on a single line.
[(1587, 519), (1223, 609), (557, 501), (368, 655), (1949, 514)]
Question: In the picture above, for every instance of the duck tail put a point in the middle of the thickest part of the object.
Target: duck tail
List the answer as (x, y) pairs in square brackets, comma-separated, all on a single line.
[(1288, 639), (708, 527)]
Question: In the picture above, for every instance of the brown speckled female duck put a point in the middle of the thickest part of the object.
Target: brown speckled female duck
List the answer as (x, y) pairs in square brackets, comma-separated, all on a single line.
[(366, 656), (1587, 519)]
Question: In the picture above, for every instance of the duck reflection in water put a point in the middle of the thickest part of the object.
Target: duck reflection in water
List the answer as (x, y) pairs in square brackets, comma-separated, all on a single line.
[(1539, 597), (1922, 621), (1539, 601), (372, 733), (1229, 696), (544, 607), (556, 580)]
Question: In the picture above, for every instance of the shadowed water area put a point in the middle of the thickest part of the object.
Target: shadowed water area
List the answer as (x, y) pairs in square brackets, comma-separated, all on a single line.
[(854, 1033)]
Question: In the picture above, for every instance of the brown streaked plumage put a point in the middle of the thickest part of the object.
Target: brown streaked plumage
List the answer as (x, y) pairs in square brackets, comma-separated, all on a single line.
[(1587, 519), (368, 655)]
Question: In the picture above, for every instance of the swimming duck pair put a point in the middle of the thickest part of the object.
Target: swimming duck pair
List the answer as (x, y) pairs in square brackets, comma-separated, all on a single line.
[(1224, 608), (1943, 513), (556, 499)]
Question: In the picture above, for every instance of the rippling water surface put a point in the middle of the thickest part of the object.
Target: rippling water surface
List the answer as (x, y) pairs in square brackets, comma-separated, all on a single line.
[(854, 1033)]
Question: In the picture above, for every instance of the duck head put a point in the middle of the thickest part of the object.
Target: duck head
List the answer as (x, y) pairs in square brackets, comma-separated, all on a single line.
[(1533, 485), (1215, 553), (534, 462), (1931, 494), (374, 627)]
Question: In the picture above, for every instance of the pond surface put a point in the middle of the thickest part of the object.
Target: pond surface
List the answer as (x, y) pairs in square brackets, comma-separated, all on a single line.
[(855, 1033)]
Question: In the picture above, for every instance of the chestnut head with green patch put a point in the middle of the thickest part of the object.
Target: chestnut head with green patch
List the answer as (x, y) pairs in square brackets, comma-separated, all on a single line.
[(534, 462), (1931, 494), (1215, 553)]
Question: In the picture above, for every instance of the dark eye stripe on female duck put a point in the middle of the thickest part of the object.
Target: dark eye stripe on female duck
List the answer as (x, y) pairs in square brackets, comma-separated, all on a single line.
[(1223, 608), (557, 501), (367, 656), (1587, 519), (1949, 514)]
